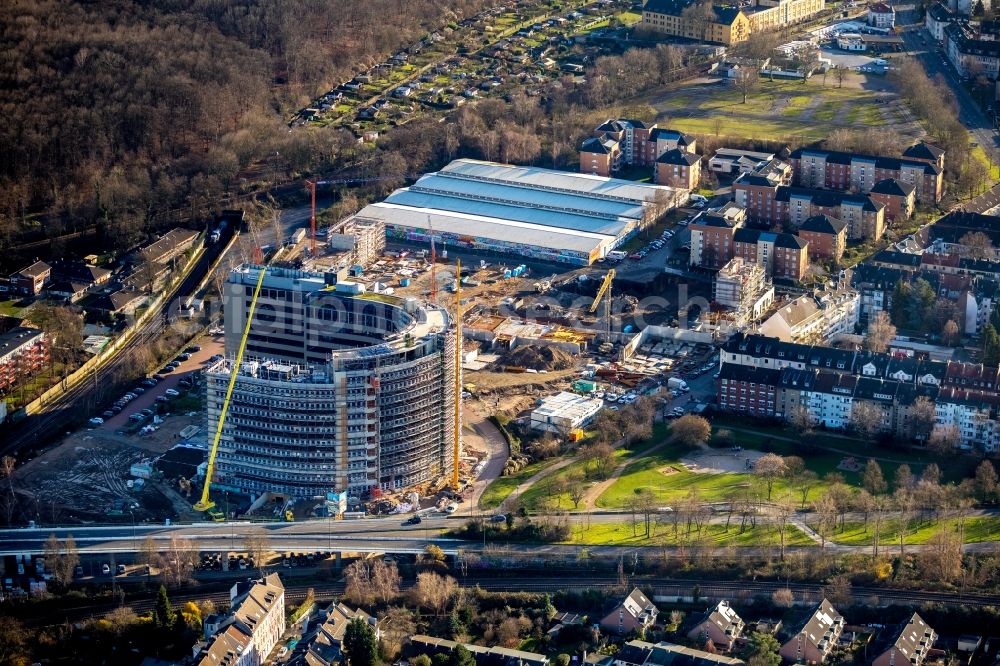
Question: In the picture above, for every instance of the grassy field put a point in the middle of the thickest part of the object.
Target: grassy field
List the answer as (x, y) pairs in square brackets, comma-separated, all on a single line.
[(664, 475), (622, 534), (781, 108), (501, 488), (11, 309), (977, 530)]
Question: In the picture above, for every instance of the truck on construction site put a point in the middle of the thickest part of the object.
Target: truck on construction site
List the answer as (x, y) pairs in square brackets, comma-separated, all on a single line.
[(677, 384)]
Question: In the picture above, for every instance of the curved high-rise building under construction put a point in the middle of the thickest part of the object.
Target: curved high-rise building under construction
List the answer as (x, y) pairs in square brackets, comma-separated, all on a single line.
[(338, 390)]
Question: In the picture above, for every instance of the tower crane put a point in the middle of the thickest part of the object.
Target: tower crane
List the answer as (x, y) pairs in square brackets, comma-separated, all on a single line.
[(605, 293), (434, 284)]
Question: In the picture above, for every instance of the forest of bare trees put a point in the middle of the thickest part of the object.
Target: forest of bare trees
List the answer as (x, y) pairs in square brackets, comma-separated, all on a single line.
[(116, 111)]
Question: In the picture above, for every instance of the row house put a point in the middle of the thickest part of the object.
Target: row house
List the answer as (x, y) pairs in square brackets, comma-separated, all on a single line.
[(31, 280), (625, 142), (815, 636), (770, 203), (781, 255), (972, 53), (909, 644), (921, 166), (828, 383), (950, 228)]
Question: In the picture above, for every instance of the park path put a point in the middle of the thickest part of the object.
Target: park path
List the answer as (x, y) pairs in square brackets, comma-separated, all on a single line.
[(595, 491), (532, 480), (497, 451)]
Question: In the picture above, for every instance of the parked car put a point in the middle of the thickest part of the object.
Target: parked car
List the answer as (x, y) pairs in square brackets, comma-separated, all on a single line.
[(173, 393), (498, 518), (192, 349), (121, 569), (148, 382), (138, 390), (108, 414), (96, 421), (105, 569), (412, 520)]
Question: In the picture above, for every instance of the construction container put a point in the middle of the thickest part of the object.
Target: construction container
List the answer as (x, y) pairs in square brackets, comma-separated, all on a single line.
[(584, 386)]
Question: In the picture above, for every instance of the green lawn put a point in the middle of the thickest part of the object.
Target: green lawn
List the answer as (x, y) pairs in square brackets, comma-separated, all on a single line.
[(828, 110), (502, 487), (977, 530), (10, 309), (622, 534)]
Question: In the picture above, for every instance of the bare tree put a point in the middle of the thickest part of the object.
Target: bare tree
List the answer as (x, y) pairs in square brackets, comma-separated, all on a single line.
[(691, 430), (434, 591), (577, 489), (951, 334), (978, 245), (880, 332), (7, 466), (921, 418), (866, 419), (258, 545), (178, 561), (385, 580), (61, 558), (769, 468), (944, 438), (783, 598), (839, 73), (873, 479), (746, 81), (826, 511), (149, 553)]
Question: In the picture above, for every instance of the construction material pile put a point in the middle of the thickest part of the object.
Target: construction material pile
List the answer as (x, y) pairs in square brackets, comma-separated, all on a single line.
[(538, 358)]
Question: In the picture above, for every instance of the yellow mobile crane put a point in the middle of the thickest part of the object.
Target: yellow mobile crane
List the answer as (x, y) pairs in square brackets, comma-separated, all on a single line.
[(605, 293), (205, 504)]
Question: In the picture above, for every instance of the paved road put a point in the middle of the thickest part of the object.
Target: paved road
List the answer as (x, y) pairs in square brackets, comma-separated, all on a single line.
[(921, 45)]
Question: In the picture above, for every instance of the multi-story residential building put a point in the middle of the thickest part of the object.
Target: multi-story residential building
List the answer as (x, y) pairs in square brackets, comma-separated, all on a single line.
[(910, 645), (743, 287), (246, 636), (325, 645), (898, 198), (876, 284), (678, 168), (837, 170), (781, 255), (727, 25), (815, 317), (30, 281), (827, 236), (748, 390), (623, 142), (712, 236), (339, 390), (24, 351), (721, 625), (601, 156), (767, 15), (812, 640), (938, 16), (881, 15), (972, 53), (829, 383), (767, 202)]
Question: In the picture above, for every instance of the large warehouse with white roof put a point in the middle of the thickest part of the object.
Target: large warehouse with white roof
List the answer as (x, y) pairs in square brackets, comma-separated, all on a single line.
[(538, 213)]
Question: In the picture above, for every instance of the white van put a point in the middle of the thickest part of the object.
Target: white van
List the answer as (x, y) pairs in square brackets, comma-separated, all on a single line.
[(617, 255)]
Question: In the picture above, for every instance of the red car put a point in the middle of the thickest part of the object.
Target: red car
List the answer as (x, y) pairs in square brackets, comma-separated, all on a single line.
[(635, 257)]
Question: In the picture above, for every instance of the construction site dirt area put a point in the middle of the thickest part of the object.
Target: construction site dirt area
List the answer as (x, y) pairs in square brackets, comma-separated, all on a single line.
[(537, 358), (87, 475)]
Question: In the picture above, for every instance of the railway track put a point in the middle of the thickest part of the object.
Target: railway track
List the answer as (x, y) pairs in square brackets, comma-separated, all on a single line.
[(676, 590)]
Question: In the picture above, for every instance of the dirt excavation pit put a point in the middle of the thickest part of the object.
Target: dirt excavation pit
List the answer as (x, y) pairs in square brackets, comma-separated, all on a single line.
[(538, 358), (715, 461)]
